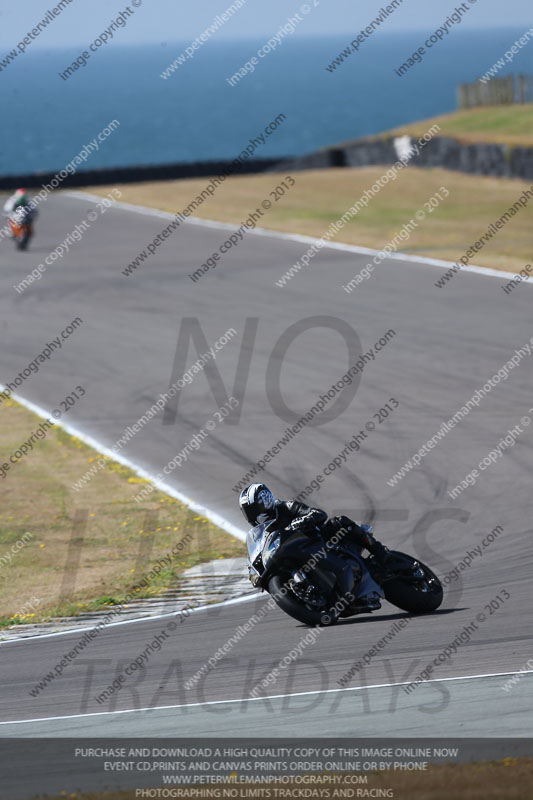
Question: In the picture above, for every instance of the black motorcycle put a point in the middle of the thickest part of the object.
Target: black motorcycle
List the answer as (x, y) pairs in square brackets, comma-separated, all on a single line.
[(300, 572)]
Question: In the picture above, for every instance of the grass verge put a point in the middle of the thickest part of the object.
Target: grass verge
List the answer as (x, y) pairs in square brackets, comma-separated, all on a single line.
[(75, 551), (323, 196), (511, 124)]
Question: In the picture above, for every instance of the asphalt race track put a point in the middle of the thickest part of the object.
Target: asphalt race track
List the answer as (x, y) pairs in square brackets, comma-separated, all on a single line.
[(446, 344)]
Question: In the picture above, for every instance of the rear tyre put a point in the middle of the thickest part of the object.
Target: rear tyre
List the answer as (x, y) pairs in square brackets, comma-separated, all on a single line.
[(420, 597), (295, 608), (22, 242)]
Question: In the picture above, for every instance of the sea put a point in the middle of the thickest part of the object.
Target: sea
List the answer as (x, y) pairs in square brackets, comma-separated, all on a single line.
[(196, 115)]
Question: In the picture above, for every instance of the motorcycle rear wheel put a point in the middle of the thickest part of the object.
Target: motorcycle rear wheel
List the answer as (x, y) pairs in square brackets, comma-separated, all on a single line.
[(23, 240), (296, 608)]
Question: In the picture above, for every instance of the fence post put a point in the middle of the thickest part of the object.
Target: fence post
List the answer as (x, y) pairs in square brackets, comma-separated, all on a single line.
[(495, 92)]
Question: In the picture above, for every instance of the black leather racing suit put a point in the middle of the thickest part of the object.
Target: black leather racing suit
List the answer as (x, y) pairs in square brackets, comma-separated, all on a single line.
[(306, 517), (293, 514)]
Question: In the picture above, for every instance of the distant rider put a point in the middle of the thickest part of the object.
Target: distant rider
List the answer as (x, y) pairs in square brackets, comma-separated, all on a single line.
[(18, 206)]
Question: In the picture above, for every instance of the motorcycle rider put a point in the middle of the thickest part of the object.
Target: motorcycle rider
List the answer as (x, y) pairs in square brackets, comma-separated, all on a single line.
[(259, 505), (17, 200), (18, 207)]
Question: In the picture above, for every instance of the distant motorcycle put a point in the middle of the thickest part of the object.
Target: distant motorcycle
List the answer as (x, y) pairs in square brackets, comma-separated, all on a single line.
[(21, 224), (293, 567)]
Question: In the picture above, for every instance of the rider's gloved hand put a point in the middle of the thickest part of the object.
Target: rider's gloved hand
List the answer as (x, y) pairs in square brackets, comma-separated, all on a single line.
[(378, 550), (303, 525)]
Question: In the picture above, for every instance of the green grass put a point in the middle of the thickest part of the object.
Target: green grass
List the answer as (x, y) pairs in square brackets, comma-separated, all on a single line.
[(512, 124)]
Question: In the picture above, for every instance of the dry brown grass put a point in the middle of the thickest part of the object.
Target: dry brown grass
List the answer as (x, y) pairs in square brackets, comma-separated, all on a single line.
[(37, 498), (323, 196)]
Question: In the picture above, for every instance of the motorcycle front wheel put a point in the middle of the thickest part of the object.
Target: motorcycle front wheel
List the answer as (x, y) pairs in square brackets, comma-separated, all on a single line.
[(279, 589), (418, 596)]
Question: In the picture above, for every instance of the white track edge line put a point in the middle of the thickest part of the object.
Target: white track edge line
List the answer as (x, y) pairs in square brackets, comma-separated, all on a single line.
[(247, 598), (219, 520), (213, 516), (295, 237), (266, 697)]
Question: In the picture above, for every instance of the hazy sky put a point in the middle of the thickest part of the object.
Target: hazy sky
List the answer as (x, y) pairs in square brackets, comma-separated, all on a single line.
[(160, 21)]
